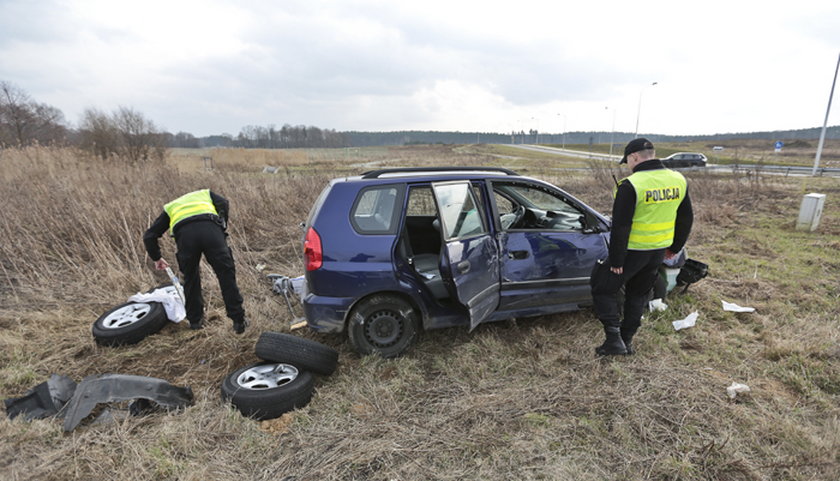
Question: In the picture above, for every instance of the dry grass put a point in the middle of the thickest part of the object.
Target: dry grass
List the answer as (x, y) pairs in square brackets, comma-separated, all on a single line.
[(512, 400)]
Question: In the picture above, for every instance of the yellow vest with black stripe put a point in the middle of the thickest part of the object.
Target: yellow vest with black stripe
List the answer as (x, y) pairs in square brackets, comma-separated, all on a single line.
[(188, 205), (659, 193)]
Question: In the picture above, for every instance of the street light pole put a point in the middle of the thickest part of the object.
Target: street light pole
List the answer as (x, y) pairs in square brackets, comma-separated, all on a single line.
[(639, 109), (825, 123), (537, 130), (563, 135)]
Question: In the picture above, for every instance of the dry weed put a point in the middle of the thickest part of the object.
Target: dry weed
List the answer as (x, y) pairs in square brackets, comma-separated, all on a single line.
[(518, 400)]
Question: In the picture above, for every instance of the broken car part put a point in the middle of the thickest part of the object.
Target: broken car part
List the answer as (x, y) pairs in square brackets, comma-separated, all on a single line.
[(287, 287), (44, 400), (107, 388)]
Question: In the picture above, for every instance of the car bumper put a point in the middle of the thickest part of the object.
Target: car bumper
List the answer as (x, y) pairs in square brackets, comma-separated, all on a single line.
[(326, 314)]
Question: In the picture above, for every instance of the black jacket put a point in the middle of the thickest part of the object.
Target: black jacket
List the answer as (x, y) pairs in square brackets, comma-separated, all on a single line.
[(161, 224), (624, 208)]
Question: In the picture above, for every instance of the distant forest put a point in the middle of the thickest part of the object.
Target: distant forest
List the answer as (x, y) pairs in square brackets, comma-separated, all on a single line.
[(127, 132), (302, 136)]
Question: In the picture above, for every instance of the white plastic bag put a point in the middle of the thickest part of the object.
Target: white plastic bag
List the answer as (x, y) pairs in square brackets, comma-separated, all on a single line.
[(732, 307), (689, 321), (171, 303)]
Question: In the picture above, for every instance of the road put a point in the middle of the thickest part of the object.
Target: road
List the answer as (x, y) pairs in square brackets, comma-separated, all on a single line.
[(785, 170)]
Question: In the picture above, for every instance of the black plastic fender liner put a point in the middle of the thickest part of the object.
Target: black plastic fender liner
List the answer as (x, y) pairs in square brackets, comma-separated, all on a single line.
[(122, 387), (44, 400)]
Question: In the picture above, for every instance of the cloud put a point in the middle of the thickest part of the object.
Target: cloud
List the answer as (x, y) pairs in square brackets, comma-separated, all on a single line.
[(214, 66)]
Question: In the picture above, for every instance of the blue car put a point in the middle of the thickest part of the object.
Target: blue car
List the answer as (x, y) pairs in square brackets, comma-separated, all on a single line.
[(393, 252)]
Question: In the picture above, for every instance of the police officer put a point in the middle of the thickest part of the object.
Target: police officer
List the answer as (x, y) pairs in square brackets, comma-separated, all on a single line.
[(198, 221), (652, 217)]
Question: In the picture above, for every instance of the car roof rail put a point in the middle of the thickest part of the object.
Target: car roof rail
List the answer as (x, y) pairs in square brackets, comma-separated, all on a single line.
[(375, 174)]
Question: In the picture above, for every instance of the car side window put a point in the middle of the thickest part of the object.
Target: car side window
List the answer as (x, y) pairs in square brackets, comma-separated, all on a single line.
[(459, 210), (374, 211), (537, 208)]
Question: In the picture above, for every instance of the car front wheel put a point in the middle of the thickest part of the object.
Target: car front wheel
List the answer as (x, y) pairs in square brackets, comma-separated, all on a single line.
[(384, 325)]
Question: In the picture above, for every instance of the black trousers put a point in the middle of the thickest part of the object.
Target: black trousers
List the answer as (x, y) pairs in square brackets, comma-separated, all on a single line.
[(640, 271), (207, 237)]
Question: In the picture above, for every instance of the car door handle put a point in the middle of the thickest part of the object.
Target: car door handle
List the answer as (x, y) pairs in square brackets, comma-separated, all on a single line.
[(518, 254), (463, 267)]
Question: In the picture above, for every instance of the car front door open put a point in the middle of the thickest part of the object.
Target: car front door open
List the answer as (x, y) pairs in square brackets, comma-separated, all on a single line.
[(471, 253)]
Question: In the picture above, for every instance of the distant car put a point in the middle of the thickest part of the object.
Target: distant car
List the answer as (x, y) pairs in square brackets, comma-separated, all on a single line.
[(717, 147), (685, 159)]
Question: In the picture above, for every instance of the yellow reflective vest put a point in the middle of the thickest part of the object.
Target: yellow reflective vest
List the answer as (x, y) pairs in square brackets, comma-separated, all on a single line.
[(188, 205), (659, 193)]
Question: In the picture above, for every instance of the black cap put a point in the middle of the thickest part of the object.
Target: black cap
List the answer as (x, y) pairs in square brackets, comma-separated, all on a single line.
[(634, 146)]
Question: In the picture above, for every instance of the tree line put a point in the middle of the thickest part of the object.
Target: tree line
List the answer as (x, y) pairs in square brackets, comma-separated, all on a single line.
[(126, 133)]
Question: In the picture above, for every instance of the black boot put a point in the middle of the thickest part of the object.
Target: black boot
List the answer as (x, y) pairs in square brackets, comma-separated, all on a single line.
[(613, 345), (627, 337)]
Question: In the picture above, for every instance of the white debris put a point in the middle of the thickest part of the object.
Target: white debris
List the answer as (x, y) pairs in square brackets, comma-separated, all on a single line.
[(169, 298), (689, 321), (657, 305), (732, 307), (736, 388)]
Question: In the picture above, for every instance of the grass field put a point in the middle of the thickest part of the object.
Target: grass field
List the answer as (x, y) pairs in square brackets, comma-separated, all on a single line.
[(515, 400)]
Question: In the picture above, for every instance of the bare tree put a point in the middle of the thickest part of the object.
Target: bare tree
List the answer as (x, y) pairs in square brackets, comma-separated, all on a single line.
[(125, 133), (24, 121)]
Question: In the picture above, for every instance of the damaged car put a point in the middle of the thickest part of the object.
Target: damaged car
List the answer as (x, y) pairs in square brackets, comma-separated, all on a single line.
[(393, 252)]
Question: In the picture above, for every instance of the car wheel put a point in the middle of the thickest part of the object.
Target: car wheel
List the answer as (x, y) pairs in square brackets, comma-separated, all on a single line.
[(267, 390), (307, 354), (383, 324), (129, 323)]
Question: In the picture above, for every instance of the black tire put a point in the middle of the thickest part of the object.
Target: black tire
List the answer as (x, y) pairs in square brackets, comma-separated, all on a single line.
[(304, 353), (129, 323), (261, 392), (383, 324)]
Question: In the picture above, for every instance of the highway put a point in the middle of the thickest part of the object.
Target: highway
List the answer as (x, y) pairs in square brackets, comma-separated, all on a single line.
[(785, 170)]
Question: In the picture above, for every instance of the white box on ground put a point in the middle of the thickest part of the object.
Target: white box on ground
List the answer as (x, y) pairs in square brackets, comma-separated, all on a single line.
[(810, 212)]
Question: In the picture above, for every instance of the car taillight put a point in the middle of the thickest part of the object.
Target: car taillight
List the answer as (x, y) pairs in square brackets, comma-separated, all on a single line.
[(312, 250)]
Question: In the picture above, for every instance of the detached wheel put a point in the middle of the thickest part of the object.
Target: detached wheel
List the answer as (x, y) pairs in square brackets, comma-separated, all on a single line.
[(267, 390), (129, 323), (304, 353), (383, 324)]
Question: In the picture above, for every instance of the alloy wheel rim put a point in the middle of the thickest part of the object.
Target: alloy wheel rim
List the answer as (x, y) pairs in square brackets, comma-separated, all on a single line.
[(126, 315), (267, 376)]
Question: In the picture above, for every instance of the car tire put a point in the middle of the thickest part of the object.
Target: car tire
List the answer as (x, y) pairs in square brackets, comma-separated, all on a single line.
[(384, 325), (129, 323), (304, 353), (268, 390)]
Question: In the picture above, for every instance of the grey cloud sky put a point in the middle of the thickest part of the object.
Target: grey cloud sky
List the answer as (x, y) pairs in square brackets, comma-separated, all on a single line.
[(210, 67)]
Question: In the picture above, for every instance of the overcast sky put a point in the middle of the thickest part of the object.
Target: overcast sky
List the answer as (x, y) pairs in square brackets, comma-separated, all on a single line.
[(213, 66)]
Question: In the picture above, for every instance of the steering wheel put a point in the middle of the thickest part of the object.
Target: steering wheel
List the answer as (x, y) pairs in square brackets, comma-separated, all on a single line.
[(511, 220)]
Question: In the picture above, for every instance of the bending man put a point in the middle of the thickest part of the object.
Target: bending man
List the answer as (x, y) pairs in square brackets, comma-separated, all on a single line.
[(198, 221)]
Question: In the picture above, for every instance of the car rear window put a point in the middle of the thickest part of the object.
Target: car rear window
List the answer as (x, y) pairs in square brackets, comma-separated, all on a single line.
[(374, 211)]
